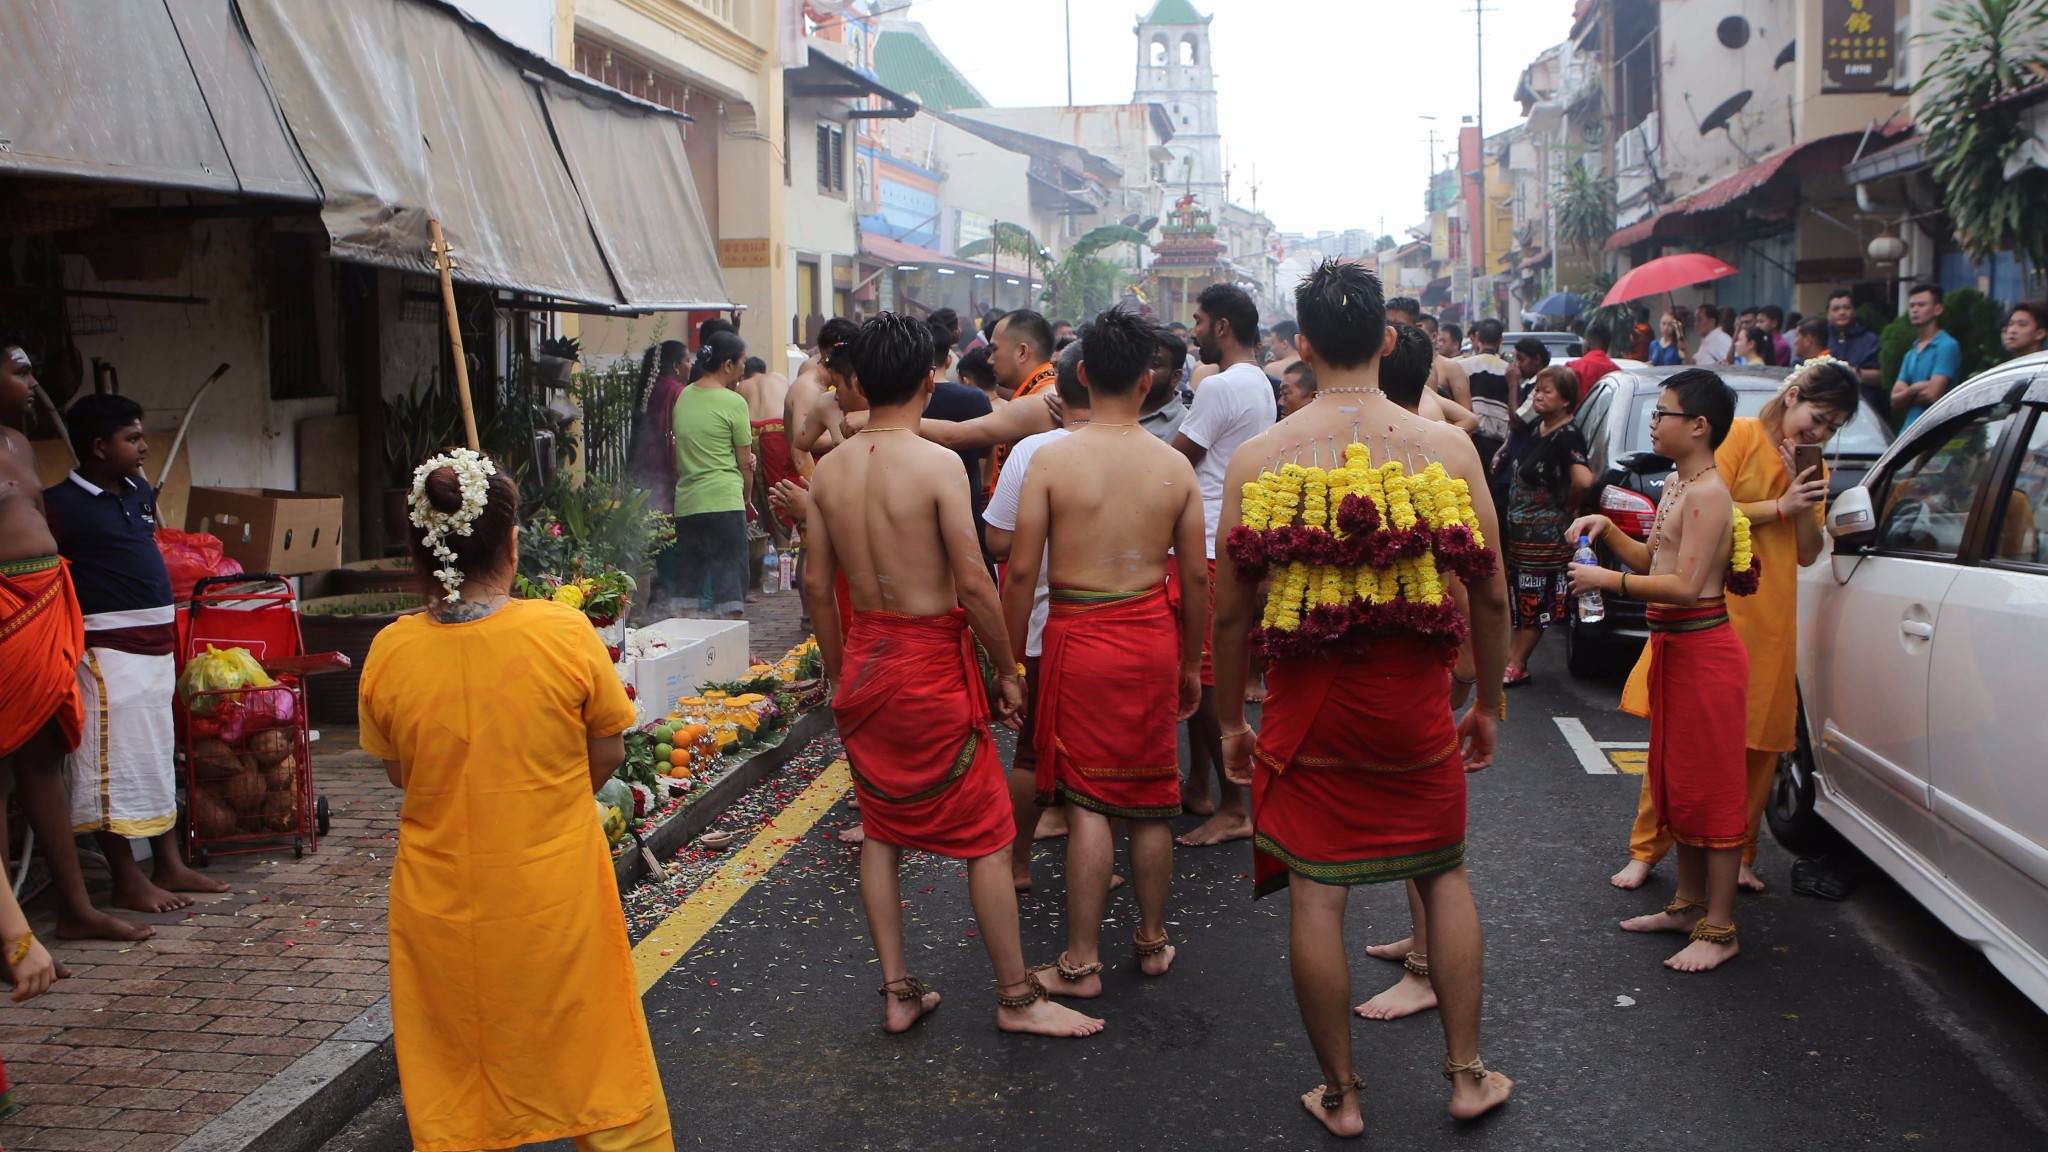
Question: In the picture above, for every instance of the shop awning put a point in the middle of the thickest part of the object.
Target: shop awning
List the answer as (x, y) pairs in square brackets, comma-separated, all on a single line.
[(823, 76), (544, 181), (903, 254), (1682, 218), (163, 94)]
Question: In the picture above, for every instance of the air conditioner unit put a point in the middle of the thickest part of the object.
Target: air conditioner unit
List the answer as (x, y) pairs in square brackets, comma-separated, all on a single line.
[(867, 208)]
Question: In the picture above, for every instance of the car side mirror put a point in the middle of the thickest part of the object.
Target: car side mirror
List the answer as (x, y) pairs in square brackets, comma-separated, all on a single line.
[(1851, 521)]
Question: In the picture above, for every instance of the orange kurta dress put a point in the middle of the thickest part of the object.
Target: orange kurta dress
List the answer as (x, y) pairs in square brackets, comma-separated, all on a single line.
[(1767, 622), (514, 1008)]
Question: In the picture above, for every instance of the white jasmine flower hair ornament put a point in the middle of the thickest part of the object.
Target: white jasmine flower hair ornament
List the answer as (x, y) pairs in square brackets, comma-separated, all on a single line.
[(473, 474), (1804, 372)]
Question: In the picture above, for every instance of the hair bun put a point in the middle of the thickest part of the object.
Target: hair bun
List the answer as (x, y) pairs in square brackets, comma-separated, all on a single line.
[(444, 490)]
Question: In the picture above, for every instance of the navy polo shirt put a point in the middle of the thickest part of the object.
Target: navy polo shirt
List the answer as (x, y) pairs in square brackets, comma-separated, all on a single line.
[(109, 536)]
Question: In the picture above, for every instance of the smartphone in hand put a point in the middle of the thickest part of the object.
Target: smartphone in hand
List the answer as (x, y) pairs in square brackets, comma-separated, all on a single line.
[(1805, 457)]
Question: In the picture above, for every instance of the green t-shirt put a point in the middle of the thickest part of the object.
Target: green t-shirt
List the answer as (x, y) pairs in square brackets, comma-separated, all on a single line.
[(710, 425)]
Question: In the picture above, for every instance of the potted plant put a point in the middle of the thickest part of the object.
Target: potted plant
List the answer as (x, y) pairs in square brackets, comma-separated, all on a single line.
[(556, 360), (604, 597), (417, 424), (347, 624)]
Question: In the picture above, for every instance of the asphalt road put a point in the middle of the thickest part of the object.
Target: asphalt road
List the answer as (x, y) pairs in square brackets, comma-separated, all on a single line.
[(1856, 1025)]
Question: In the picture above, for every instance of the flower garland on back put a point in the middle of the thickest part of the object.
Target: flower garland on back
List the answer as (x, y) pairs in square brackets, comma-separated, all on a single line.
[(1374, 567)]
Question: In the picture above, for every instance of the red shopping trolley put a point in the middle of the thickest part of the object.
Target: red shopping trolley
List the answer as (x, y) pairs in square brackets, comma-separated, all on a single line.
[(247, 751)]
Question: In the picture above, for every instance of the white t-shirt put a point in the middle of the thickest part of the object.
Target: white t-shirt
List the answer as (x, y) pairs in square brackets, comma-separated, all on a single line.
[(1714, 347), (1230, 408), (1001, 513)]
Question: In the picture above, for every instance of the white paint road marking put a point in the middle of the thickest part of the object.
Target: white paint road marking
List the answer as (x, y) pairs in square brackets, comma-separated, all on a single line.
[(1592, 753)]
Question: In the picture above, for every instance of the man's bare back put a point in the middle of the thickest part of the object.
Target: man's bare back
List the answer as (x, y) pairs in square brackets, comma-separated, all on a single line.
[(889, 500), (1320, 432), (1118, 544), (1447, 378), (767, 395)]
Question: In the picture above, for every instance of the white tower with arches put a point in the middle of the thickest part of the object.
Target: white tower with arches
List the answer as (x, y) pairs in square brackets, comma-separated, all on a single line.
[(1174, 72)]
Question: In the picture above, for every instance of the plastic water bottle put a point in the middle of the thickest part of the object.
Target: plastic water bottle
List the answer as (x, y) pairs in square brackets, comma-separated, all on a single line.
[(787, 570), (1591, 607), (771, 572)]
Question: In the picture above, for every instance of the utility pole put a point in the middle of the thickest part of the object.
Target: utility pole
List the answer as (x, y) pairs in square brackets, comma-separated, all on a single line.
[(1069, 6), (1479, 222)]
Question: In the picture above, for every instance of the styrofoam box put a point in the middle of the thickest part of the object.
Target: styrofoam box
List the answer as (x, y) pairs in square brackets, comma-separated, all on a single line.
[(722, 652), (658, 680)]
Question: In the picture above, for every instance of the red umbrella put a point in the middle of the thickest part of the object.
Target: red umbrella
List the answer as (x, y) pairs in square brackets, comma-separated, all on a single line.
[(1665, 274)]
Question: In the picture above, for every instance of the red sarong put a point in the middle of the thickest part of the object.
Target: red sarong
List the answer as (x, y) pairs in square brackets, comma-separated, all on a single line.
[(1108, 685), (42, 639), (771, 443), (1357, 778), (1699, 696), (914, 719)]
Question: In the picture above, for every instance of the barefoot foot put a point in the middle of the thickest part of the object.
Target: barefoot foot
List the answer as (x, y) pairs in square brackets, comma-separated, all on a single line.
[(1409, 995), (1703, 956), (1045, 1018), (1471, 1099), (1665, 921), (175, 876), (1115, 881), (1631, 876), (143, 896), (1749, 881), (1157, 963), (1197, 805), (1395, 952), (858, 834), (93, 924), (1052, 824), (899, 1015), (1343, 1120), (1221, 828)]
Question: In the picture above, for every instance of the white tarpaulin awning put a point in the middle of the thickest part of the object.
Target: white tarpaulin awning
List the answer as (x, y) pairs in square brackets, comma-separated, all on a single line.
[(545, 182), (156, 94)]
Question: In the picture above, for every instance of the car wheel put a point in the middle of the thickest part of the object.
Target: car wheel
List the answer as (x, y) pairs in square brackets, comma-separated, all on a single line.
[(1790, 812)]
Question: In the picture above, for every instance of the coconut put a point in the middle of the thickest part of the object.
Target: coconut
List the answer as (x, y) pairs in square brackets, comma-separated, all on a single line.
[(271, 745), (214, 818), (215, 761), (280, 811), (282, 776), (244, 789)]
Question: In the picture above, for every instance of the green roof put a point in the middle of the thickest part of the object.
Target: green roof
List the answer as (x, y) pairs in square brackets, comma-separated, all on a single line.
[(906, 60), (1175, 12)]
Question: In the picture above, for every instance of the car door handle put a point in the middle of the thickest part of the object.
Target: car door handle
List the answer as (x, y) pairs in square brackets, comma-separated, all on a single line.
[(1917, 628)]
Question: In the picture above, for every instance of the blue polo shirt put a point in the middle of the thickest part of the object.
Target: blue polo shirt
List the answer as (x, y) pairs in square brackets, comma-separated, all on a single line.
[(109, 536), (1942, 356)]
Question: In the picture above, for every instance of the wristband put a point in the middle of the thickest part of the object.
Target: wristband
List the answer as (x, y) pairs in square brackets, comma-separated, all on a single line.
[(1624, 592), (1779, 507), (18, 951)]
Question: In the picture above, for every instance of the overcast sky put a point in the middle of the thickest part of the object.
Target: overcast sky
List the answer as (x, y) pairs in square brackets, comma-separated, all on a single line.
[(1324, 97)]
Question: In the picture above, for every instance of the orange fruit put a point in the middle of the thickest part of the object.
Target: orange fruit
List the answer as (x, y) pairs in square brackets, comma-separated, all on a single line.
[(680, 757)]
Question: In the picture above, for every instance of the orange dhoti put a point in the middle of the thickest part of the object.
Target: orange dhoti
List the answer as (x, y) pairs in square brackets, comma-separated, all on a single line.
[(1699, 687), (1357, 778), (42, 639), (1107, 693), (914, 719)]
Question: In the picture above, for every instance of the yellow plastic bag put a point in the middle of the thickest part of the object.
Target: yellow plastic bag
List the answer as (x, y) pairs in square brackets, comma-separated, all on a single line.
[(215, 670)]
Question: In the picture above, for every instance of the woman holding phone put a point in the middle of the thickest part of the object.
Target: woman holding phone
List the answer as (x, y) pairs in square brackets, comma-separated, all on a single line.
[(1771, 465)]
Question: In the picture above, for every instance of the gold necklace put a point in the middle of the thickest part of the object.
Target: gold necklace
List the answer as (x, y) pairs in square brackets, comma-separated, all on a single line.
[(885, 428), (1673, 491), (1351, 391)]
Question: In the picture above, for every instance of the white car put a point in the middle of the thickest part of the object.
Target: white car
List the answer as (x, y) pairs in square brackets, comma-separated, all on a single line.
[(1923, 670)]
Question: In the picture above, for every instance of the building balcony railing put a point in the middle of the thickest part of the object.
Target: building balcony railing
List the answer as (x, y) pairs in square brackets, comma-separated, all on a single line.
[(720, 10)]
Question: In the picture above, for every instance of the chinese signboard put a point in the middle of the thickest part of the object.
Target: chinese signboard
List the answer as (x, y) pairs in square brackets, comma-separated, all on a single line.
[(1859, 45), (747, 253)]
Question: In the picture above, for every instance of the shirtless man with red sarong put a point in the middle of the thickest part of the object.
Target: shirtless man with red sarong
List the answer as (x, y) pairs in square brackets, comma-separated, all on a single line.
[(1699, 670), (42, 639), (1360, 774), (893, 510), (1102, 508)]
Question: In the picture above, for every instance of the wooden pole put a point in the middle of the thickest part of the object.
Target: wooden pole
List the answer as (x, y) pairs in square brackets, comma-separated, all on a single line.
[(446, 264)]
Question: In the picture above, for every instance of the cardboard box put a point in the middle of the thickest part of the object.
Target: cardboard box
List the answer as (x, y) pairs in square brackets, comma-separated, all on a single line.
[(722, 650), (660, 679), (270, 529)]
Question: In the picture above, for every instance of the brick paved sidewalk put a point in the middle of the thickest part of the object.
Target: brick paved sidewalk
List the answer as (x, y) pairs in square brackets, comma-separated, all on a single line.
[(148, 1042)]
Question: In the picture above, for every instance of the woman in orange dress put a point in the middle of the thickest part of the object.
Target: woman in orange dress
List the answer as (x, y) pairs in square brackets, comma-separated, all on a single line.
[(1755, 462), (514, 1008)]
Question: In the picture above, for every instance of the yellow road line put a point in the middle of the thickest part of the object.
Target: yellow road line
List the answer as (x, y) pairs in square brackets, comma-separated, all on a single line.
[(1633, 761), (664, 947)]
